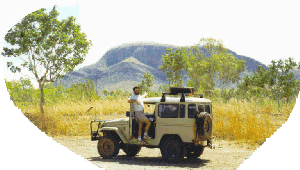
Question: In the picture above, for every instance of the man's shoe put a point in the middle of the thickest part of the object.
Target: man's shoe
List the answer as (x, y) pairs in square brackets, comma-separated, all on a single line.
[(141, 142), (146, 137)]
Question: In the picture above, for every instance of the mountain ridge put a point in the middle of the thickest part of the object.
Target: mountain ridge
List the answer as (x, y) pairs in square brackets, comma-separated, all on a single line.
[(123, 67)]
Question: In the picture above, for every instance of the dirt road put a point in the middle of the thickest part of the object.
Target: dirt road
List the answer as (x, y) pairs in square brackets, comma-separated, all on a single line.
[(224, 156)]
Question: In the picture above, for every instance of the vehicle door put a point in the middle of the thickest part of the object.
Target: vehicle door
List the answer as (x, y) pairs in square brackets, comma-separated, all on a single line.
[(172, 119)]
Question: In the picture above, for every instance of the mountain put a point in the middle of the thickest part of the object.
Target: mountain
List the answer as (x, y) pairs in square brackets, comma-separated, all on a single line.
[(123, 67)]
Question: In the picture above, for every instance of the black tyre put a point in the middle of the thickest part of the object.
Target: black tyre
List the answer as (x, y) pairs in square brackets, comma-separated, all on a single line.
[(131, 150), (172, 149), (204, 125), (108, 147), (195, 152)]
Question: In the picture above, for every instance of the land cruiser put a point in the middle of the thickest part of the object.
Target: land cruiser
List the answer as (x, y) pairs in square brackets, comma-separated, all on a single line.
[(181, 126)]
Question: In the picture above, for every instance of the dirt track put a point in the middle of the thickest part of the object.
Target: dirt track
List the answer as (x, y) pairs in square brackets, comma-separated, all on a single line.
[(224, 156)]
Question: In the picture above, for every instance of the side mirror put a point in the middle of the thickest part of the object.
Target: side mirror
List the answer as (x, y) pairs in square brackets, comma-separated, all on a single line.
[(127, 113)]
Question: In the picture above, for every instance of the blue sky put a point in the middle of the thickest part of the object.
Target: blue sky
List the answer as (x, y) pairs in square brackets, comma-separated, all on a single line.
[(261, 30)]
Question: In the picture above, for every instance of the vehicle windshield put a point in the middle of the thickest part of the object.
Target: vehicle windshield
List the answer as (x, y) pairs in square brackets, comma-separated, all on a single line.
[(149, 108)]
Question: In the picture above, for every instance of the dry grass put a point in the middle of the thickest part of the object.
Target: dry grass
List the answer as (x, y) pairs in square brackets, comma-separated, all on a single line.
[(244, 122), (70, 118), (239, 121)]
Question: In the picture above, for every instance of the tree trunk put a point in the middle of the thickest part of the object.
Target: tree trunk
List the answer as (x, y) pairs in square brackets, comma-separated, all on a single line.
[(42, 99), (278, 100)]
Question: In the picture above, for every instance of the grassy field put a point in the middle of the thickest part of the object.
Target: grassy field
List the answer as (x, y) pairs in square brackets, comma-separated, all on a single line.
[(238, 121)]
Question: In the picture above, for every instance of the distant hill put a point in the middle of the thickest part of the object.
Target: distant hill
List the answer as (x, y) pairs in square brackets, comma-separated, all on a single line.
[(123, 67)]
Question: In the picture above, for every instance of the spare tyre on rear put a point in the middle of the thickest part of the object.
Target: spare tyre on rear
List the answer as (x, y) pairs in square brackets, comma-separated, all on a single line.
[(204, 125)]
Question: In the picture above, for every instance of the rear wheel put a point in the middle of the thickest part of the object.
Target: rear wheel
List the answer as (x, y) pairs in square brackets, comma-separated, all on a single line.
[(131, 150), (108, 147), (172, 149), (195, 152)]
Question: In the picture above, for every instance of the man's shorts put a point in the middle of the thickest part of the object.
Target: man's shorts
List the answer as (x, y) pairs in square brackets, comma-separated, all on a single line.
[(140, 116)]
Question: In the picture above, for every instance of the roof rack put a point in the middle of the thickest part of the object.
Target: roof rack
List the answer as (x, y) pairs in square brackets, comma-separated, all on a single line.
[(178, 90)]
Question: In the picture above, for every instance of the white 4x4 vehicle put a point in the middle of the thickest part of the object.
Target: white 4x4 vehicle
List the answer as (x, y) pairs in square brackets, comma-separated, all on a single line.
[(181, 126)]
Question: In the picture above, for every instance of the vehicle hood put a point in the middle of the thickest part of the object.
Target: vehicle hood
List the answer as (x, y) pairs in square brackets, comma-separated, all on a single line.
[(118, 121)]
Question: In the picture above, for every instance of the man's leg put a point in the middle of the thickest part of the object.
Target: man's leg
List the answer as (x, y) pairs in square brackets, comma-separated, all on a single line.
[(148, 124), (140, 130)]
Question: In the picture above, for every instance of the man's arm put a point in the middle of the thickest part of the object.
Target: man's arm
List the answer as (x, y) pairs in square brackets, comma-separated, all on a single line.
[(144, 95), (132, 101)]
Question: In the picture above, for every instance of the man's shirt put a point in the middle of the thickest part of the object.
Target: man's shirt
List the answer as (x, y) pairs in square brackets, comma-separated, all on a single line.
[(139, 98)]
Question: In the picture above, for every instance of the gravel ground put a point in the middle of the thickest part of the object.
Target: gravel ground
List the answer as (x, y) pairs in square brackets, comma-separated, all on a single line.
[(224, 156)]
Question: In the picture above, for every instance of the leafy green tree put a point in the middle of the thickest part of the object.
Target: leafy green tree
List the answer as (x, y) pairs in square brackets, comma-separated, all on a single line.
[(230, 69), (47, 47), (21, 91), (119, 92), (219, 64), (280, 80), (164, 88), (146, 83), (209, 60), (81, 91), (174, 65), (212, 49), (194, 67), (90, 89), (105, 92), (26, 83), (167, 66)]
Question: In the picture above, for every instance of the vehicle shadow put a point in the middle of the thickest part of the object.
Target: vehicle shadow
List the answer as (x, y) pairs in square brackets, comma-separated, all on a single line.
[(153, 161)]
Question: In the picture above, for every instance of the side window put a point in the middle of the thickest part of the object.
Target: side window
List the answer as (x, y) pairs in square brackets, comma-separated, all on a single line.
[(201, 108), (168, 110), (182, 111), (207, 108), (192, 110)]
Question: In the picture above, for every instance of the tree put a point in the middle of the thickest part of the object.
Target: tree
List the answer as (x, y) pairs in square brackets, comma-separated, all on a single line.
[(278, 79), (164, 88), (146, 83), (281, 80), (209, 60), (174, 65), (167, 67), (230, 69), (85, 90), (214, 53), (229, 73), (47, 47), (194, 67), (105, 92), (20, 91)]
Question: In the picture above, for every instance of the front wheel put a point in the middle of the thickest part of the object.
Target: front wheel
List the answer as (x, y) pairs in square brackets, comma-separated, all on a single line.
[(108, 147), (131, 150)]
